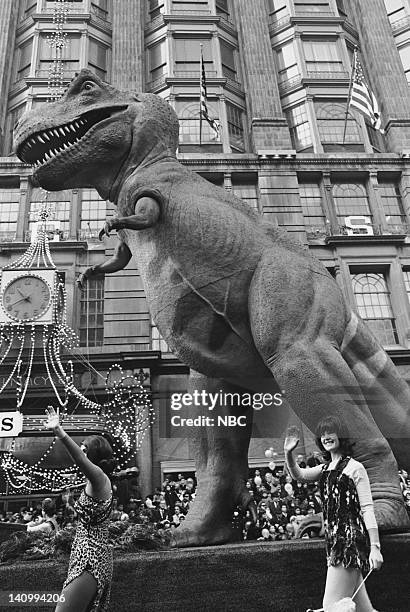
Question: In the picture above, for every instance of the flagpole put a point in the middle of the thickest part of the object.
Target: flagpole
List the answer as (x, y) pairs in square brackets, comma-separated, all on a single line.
[(201, 59), (349, 94)]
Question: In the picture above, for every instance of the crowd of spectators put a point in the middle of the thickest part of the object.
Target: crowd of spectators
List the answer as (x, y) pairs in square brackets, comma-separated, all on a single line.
[(278, 505)]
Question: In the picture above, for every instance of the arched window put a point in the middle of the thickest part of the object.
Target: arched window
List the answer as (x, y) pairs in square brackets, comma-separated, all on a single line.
[(331, 118), (374, 306), (189, 123), (350, 200)]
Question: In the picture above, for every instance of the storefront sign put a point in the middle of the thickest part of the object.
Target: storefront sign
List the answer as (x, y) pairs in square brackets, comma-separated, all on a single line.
[(11, 424)]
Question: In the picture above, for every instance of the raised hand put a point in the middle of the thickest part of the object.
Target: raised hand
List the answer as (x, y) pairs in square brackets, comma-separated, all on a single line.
[(82, 279), (291, 440), (53, 419)]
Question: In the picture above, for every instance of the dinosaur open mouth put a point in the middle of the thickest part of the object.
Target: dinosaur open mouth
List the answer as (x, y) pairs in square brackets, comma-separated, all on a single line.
[(43, 146)]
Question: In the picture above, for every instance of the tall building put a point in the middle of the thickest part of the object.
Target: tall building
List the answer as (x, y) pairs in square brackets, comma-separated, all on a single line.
[(277, 76)]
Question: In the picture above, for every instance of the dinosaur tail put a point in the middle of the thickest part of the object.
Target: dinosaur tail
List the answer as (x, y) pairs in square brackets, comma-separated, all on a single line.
[(387, 395)]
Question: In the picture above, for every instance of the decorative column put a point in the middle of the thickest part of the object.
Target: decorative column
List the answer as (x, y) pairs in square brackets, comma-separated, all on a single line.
[(268, 125), (384, 69), (128, 54), (8, 22)]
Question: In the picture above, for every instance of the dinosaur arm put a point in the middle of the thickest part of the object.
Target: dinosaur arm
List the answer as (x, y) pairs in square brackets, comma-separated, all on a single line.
[(117, 262), (146, 214)]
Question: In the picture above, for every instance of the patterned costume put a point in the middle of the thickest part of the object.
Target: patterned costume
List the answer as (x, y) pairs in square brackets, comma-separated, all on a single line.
[(347, 539), (90, 551)]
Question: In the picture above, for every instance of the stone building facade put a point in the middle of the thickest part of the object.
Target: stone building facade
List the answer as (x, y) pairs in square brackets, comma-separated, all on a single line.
[(278, 74)]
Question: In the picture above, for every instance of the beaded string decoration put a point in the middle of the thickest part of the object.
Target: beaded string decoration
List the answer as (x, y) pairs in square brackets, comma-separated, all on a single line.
[(126, 415)]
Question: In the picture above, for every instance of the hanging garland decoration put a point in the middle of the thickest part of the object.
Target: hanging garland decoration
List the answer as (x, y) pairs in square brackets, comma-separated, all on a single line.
[(57, 42), (125, 417)]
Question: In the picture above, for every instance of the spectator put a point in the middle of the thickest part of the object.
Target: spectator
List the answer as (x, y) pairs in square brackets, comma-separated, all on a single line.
[(48, 524), (161, 514)]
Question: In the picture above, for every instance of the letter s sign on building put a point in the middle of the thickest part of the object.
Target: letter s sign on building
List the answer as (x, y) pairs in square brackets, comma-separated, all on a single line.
[(11, 424)]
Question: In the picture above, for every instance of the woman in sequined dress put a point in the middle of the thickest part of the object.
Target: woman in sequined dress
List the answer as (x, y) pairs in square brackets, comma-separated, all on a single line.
[(351, 533), (88, 583)]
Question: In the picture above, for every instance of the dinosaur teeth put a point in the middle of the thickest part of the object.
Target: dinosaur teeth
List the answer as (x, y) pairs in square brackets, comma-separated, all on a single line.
[(66, 129), (72, 128), (45, 136), (55, 132), (40, 139), (61, 131)]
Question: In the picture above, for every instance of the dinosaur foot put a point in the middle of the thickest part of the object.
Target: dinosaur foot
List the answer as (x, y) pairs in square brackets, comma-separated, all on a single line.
[(391, 515), (195, 533)]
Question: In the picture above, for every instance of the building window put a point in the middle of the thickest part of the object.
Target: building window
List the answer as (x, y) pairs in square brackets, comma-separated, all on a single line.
[(97, 58), (299, 127), (406, 276), (288, 69), (228, 60), (311, 6), (374, 306), (13, 117), (9, 209), (222, 8), (92, 313), (311, 201), (278, 10), (235, 127), (322, 58), (58, 222), (392, 205), (156, 8), (100, 8), (246, 188), (70, 56), (195, 6), (331, 120), (188, 54), (350, 201), (24, 59), (27, 8), (157, 341), (157, 61), (405, 60), (93, 214), (395, 10), (189, 122)]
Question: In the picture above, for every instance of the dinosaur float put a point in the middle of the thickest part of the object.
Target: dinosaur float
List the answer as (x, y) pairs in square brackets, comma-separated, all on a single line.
[(237, 300)]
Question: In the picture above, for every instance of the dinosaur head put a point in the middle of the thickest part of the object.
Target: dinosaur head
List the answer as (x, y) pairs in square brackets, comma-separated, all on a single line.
[(94, 134)]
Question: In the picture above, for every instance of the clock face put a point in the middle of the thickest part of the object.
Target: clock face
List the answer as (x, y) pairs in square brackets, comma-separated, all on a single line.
[(26, 298)]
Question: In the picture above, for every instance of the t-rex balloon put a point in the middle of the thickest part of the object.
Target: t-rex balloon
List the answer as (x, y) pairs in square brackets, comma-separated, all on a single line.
[(235, 299)]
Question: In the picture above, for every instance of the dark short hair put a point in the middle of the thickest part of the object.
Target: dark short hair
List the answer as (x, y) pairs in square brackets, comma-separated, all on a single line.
[(332, 424), (99, 451), (48, 506)]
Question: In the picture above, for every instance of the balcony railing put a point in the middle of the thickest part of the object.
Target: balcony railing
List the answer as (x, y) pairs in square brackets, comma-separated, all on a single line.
[(156, 83), (43, 73), (320, 232), (7, 236), (401, 24), (193, 74), (99, 12), (54, 235), (287, 84), (328, 74), (280, 23), (321, 13), (190, 13), (89, 235)]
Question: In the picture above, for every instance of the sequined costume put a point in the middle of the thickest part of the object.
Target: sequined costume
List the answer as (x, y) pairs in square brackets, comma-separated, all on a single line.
[(90, 551), (347, 539)]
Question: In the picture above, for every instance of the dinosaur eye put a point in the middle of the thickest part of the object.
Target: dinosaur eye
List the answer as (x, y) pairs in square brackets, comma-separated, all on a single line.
[(88, 85)]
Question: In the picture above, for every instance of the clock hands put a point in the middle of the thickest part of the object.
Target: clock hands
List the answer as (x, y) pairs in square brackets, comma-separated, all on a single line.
[(22, 299)]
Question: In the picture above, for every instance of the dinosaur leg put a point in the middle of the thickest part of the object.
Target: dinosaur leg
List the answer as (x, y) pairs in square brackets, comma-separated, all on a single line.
[(318, 382), (221, 460), (386, 392)]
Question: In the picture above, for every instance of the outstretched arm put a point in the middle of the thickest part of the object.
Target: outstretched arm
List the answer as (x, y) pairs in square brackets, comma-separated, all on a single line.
[(146, 214), (117, 262), (95, 475), (298, 473)]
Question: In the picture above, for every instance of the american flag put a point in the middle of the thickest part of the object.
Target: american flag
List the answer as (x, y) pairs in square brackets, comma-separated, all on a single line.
[(361, 96), (204, 113)]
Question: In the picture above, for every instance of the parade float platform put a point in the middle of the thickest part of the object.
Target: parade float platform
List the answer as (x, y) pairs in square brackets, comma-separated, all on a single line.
[(243, 577)]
